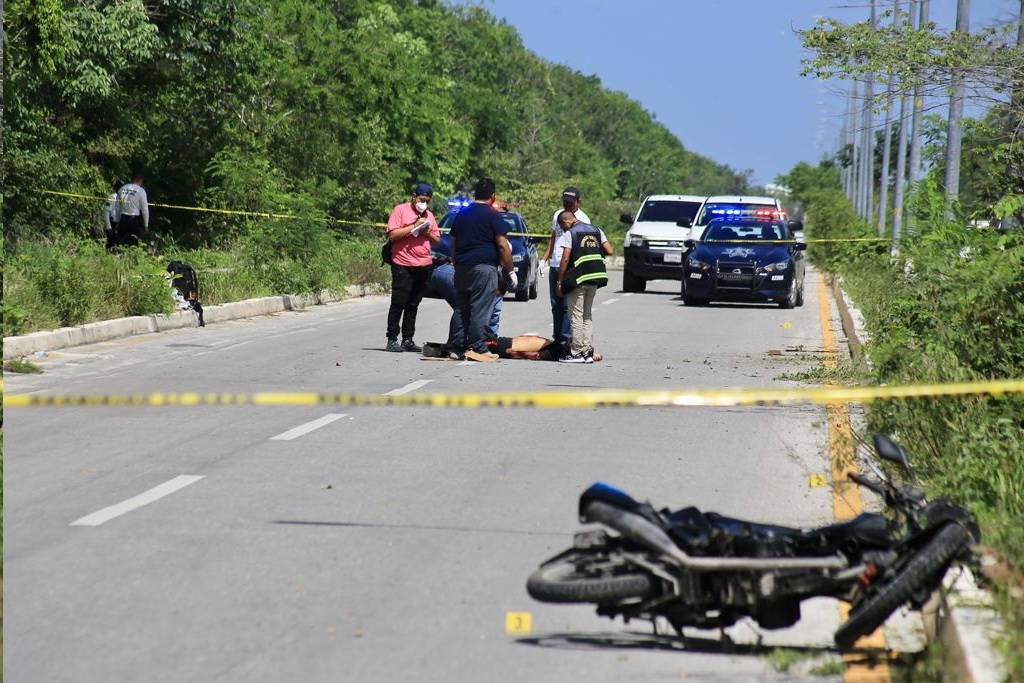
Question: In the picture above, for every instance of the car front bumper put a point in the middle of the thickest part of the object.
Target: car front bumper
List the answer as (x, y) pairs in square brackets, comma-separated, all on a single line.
[(654, 264), (736, 286)]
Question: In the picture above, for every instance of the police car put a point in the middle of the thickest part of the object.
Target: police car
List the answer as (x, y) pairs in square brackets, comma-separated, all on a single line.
[(745, 255), (721, 206)]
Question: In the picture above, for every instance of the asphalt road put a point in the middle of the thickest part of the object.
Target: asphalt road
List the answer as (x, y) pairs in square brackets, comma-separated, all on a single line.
[(321, 543)]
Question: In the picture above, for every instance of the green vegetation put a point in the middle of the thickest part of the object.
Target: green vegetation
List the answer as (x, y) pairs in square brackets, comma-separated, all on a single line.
[(21, 366), (948, 308), (295, 126)]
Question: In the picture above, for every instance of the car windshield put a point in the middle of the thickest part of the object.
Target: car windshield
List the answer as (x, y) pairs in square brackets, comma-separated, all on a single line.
[(516, 226), (720, 210), (667, 210), (746, 231)]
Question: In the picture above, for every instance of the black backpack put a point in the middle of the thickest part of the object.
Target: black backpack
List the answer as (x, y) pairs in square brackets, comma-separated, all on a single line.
[(385, 252), (185, 280)]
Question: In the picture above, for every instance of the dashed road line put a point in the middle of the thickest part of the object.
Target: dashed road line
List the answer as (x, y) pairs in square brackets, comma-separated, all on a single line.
[(150, 496), (412, 386), (308, 427)]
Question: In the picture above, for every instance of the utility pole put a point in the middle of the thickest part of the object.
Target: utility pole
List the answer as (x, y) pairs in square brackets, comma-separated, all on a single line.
[(901, 158), (914, 164), (854, 181), (954, 131), (867, 162), (883, 181)]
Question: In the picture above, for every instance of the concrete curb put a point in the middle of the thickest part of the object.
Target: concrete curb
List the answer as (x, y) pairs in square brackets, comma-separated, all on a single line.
[(961, 616), (91, 333)]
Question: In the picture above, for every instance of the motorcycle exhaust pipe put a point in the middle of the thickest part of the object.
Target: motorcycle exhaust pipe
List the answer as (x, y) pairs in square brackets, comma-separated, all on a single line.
[(642, 531)]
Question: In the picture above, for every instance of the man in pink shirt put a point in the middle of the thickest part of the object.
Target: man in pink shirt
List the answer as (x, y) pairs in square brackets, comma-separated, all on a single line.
[(411, 230)]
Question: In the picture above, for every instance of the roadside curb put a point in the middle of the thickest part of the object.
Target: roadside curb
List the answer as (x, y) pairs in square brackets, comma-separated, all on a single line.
[(960, 616), (91, 333)]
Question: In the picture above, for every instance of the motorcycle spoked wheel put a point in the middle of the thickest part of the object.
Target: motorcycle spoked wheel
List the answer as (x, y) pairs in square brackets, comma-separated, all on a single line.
[(924, 567), (582, 576)]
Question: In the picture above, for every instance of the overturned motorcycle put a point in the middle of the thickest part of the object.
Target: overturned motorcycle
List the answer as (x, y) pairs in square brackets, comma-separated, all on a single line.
[(704, 570)]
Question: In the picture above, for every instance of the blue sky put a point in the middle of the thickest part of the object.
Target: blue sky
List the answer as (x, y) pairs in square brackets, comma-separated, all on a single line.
[(722, 75)]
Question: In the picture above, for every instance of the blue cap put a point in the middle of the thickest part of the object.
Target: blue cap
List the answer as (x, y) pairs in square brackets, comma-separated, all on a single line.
[(423, 189)]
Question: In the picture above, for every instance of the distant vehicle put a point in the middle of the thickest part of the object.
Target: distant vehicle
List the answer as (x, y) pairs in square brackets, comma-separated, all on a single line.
[(723, 206), (653, 246), (524, 248), (745, 257)]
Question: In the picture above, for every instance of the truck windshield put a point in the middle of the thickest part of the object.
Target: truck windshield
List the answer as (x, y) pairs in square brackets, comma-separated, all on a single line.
[(667, 211)]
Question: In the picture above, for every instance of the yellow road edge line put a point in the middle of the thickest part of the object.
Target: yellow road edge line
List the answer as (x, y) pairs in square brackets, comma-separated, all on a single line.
[(846, 500)]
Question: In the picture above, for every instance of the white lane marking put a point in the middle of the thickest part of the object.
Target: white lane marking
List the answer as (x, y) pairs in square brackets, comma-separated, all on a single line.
[(150, 496), (412, 386), (610, 301), (308, 427)]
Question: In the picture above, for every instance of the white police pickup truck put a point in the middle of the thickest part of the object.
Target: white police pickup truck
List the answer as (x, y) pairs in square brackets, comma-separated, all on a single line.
[(653, 246)]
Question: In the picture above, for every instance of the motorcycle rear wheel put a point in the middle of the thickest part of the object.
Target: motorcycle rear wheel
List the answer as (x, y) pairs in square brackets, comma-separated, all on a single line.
[(924, 567), (589, 577)]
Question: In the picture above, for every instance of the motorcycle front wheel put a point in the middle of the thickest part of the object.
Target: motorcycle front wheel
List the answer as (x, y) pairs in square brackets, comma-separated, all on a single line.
[(927, 565), (589, 577)]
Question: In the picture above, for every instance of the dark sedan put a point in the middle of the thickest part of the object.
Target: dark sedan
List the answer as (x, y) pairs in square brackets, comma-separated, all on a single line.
[(524, 250), (745, 259)]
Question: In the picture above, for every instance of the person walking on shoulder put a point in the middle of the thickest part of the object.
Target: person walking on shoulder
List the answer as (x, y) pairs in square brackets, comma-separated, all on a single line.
[(581, 271), (110, 218), (553, 255), (132, 214), (412, 230), (479, 250)]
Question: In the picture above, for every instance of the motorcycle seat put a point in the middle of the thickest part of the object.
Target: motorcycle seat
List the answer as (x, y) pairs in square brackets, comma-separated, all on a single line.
[(867, 528)]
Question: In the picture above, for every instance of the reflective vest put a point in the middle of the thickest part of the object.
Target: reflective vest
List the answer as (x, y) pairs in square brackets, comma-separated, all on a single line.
[(587, 259)]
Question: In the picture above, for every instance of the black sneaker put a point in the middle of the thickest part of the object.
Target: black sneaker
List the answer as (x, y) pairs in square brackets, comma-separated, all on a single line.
[(410, 345), (572, 358), (393, 345)]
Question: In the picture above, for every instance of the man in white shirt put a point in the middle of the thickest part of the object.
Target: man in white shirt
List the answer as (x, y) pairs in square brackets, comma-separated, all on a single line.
[(132, 212), (559, 315)]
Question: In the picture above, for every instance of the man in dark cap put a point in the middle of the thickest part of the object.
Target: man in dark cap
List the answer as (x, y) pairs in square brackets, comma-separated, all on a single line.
[(553, 255), (411, 230), (479, 249)]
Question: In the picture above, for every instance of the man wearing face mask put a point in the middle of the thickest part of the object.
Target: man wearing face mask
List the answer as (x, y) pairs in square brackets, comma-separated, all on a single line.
[(412, 230)]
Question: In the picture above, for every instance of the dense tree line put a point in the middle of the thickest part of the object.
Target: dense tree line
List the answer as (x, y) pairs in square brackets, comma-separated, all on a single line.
[(328, 109)]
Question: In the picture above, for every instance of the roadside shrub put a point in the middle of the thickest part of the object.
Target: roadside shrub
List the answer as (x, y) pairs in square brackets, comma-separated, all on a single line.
[(948, 308), (136, 284), (63, 284)]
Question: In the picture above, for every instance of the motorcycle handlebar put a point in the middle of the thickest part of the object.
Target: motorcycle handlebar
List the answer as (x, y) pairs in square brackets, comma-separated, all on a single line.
[(867, 483)]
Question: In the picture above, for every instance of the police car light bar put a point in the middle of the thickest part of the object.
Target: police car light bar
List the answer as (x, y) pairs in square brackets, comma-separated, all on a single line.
[(736, 214)]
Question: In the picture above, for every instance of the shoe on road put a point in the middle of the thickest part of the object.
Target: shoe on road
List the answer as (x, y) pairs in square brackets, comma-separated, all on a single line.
[(485, 357)]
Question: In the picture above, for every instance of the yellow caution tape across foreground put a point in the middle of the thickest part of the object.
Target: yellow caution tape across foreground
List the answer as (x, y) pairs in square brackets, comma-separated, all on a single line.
[(593, 398)]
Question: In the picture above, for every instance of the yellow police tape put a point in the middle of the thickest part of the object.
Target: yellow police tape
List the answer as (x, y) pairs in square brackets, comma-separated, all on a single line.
[(260, 214), (593, 398), (257, 214)]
